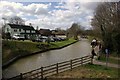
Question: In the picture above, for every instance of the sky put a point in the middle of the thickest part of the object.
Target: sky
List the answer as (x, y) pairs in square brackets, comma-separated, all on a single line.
[(50, 14)]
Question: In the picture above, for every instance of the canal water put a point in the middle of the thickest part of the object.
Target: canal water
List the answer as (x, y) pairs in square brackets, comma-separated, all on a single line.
[(79, 49)]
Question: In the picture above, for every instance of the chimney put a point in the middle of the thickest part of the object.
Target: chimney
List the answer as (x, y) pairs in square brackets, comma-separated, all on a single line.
[(30, 24)]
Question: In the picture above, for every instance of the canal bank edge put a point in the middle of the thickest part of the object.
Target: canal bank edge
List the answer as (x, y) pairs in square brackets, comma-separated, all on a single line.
[(5, 65)]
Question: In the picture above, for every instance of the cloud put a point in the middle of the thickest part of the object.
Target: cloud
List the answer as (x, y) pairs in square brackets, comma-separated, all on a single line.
[(36, 9), (12, 8), (50, 15), (76, 12)]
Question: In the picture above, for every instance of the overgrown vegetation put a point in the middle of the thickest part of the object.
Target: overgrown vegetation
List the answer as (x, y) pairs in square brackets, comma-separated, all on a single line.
[(106, 23), (13, 48)]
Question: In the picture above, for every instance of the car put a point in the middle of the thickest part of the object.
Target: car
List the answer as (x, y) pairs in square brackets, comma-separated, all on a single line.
[(44, 38), (52, 39), (18, 37), (38, 40), (62, 39), (84, 37)]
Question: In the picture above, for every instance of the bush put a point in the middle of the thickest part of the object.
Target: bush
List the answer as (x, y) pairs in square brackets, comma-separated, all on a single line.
[(43, 46), (7, 36), (116, 42)]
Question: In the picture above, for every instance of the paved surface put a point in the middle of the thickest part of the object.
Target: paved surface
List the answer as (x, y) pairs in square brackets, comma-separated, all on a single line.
[(104, 64)]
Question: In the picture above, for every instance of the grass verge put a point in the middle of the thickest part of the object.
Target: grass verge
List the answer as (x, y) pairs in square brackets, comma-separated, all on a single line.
[(88, 71), (14, 48), (111, 59)]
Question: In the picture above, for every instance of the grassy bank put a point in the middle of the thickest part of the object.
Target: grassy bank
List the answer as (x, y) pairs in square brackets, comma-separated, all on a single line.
[(89, 71), (61, 43), (113, 58), (12, 49)]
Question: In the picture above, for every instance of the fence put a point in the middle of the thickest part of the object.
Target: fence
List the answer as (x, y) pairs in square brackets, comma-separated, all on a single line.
[(46, 71)]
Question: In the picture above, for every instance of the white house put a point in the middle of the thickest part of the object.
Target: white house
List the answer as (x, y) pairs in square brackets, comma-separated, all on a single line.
[(24, 30)]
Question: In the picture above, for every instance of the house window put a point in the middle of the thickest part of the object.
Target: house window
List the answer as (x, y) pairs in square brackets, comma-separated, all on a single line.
[(19, 30), (33, 31), (28, 31), (15, 30)]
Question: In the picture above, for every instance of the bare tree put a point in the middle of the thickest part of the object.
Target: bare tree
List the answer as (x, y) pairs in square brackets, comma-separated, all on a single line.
[(60, 31), (106, 21), (16, 20), (74, 30), (5, 19)]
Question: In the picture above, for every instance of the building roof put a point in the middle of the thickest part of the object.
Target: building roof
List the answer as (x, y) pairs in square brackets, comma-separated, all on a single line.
[(45, 31), (24, 27)]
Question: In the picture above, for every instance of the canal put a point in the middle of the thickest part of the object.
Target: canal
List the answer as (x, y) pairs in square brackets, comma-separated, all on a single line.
[(79, 49)]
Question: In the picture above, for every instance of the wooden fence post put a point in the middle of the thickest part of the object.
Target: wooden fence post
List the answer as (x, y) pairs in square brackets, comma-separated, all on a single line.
[(81, 60), (57, 68), (71, 64), (38, 73), (41, 72), (21, 76), (91, 57)]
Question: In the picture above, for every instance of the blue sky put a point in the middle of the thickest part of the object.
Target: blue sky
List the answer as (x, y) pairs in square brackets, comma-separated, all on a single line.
[(50, 14)]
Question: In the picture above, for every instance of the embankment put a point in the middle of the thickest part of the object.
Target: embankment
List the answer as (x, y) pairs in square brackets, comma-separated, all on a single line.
[(14, 50)]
